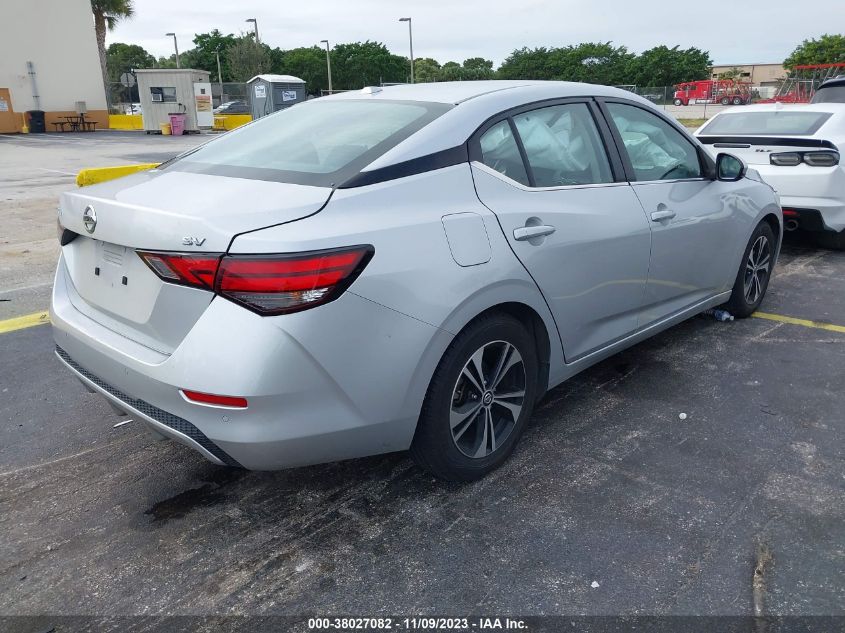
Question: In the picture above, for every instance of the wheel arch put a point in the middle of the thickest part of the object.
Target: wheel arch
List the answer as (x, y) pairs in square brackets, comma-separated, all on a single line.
[(775, 221), (522, 300)]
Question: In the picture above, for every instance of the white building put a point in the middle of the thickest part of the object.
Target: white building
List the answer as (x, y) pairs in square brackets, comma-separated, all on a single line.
[(57, 37)]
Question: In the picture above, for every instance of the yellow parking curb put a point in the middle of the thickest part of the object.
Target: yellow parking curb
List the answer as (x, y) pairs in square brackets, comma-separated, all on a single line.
[(805, 322), (94, 175), (22, 322)]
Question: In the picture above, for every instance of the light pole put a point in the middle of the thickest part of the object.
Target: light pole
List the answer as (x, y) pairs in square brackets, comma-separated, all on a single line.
[(411, 41), (175, 46), (255, 24), (219, 73), (328, 63)]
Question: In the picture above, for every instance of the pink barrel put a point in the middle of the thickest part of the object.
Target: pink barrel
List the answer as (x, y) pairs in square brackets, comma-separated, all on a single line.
[(177, 124)]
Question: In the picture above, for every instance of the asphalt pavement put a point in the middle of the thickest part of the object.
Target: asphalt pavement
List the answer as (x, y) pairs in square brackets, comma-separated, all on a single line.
[(611, 505)]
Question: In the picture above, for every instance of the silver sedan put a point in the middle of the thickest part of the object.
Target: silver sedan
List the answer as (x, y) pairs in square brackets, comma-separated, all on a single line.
[(410, 267)]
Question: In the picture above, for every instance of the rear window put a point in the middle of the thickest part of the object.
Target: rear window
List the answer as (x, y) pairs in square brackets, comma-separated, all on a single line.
[(830, 94), (321, 143), (769, 123)]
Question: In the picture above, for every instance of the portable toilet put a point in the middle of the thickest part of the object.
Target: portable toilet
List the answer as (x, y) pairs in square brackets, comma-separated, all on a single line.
[(269, 93), (166, 91)]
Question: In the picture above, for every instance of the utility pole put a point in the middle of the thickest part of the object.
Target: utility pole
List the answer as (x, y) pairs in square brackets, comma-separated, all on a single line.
[(411, 41), (219, 73), (175, 46), (328, 63), (255, 24)]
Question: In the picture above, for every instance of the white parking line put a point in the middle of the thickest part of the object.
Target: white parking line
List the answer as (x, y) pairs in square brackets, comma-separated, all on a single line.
[(57, 171)]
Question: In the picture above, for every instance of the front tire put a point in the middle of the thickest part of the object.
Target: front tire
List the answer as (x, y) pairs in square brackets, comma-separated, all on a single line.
[(678, 102), (755, 270), (479, 400)]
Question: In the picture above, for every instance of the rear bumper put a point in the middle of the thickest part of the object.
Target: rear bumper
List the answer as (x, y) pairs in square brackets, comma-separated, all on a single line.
[(810, 189), (342, 380)]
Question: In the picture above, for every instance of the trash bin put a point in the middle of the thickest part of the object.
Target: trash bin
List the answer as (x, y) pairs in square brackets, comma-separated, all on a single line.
[(177, 124), (165, 128), (36, 121)]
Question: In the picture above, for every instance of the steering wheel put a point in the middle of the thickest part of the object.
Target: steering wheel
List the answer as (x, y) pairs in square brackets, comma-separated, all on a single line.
[(678, 166)]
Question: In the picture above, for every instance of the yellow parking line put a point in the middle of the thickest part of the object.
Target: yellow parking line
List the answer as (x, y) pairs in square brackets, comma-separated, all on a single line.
[(19, 323), (805, 322)]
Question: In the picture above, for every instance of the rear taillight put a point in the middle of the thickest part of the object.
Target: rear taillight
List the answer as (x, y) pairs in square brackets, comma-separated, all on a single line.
[(266, 284), (825, 158), (184, 268), (821, 159), (785, 159), (280, 284)]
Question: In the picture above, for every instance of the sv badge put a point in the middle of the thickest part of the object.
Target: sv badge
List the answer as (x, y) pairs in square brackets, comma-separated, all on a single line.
[(192, 241)]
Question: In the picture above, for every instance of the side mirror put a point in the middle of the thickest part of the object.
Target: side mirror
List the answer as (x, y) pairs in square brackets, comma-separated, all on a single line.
[(729, 168)]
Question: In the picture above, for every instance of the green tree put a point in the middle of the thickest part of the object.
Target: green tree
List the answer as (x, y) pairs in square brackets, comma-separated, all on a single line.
[(528, 63), (308, 63), (828, 49), (121, 58), (426, 69), (591, 62), (107, 13), (203, 55), (360, 64), (247, 58), (664, 66), (735, 72), (477, 68)]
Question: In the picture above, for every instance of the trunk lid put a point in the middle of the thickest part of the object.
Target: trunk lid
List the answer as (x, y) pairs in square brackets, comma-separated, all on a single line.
[(167, 211), (755, 150)]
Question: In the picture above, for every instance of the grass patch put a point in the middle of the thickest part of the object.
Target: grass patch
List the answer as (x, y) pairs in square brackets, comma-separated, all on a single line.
[(692, 123)]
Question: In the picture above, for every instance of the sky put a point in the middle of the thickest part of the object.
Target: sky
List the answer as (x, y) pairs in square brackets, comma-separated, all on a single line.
[(734, 31)]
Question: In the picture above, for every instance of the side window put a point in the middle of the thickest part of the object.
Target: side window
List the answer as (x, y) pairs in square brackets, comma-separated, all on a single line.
[(163, 95), (563, 146), (500, 151), (656, 149)]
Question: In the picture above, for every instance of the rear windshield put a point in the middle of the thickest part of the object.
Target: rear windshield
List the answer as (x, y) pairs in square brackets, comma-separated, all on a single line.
[(321, 143), (830, 94), (768, 123)]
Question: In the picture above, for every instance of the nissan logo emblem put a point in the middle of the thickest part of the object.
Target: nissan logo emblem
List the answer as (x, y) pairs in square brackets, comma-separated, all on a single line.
[(89, 219)]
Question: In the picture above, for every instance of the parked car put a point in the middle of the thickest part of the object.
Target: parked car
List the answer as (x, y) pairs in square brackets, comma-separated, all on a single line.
[(232, 107), (796, 149), (831, 91), (406, 267)]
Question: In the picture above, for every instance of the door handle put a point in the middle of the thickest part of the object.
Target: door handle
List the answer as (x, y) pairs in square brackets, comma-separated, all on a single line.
[(662, 214), (527, 232)]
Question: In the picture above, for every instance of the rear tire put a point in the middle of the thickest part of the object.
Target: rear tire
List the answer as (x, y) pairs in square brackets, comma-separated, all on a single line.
[(737, 101), (725, 101), (828, 239), (755, 270), (479, 400)]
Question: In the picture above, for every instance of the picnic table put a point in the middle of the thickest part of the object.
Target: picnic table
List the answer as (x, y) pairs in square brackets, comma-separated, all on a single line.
[(76, 123)]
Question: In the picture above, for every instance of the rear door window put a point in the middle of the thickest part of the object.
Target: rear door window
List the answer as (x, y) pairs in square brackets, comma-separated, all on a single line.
[(500, 152), (563, 146)]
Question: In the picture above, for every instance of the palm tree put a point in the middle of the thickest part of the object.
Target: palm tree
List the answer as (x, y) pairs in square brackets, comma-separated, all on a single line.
[(107, 13)]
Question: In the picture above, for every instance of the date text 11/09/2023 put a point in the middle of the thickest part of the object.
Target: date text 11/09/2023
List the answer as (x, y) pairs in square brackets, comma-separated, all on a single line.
[(416, 624)]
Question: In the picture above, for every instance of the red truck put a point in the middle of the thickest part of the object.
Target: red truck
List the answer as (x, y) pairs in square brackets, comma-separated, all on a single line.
[(724, 91)]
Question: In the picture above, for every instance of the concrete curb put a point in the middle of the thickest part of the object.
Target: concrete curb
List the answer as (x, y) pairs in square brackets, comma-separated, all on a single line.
[(101, 174)]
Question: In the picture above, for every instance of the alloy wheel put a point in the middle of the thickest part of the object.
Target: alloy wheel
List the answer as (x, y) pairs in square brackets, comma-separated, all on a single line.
[(757, 269), (487, 399)]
